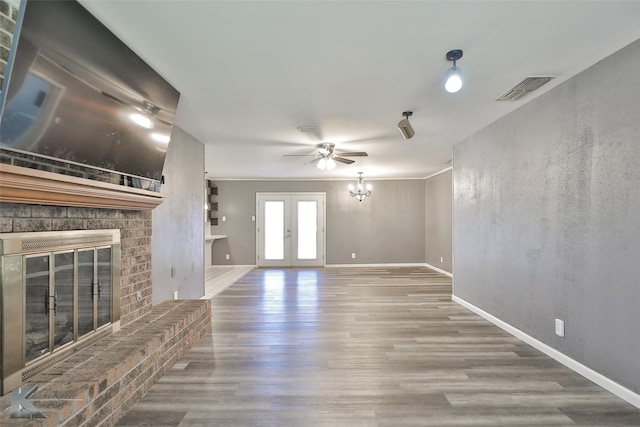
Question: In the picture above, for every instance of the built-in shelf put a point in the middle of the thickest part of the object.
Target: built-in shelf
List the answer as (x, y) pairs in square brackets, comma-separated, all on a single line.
[(208, 248), (36, 187), (214, 237), (212, 201)]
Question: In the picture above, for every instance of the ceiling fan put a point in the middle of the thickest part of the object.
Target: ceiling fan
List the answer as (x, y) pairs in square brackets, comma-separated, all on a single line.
[(326, 157)]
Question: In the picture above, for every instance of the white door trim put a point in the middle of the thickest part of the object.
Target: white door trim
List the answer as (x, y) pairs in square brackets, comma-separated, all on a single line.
[(321, 227)]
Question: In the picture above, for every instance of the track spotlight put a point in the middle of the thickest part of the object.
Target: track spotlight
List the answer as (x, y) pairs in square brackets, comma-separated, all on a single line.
[(405, 127), (453, 82)]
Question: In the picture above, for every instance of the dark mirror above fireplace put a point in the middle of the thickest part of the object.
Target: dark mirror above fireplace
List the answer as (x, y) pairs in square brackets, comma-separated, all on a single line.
[(77, 93)]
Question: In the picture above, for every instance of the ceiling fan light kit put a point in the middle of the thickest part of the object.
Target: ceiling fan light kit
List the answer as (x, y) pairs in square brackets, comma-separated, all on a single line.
[(326, 157), (453, 82), (326, 163), (359, 191), (405, 127)]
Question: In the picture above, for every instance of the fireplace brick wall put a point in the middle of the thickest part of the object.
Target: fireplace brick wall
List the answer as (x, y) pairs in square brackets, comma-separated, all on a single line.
[(135, 234)]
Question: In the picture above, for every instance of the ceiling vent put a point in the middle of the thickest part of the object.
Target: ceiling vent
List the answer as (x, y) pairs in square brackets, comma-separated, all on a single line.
[(526, 86)]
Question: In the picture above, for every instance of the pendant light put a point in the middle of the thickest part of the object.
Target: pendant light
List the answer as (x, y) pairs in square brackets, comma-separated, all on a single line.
[(453, 82)]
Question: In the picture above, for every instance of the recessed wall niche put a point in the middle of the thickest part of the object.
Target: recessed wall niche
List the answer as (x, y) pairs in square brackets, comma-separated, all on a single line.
[(212, 202)]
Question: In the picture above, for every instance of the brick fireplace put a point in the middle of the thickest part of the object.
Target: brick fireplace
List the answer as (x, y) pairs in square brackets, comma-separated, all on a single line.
[(135, 236), (100, 383), (74, 204)]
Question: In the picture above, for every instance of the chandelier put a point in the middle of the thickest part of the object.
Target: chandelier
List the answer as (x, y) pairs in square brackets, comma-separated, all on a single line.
[(359, 191)]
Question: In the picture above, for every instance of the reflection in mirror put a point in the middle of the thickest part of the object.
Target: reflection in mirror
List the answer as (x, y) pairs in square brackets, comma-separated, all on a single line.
[(9, 26), (65, 100)]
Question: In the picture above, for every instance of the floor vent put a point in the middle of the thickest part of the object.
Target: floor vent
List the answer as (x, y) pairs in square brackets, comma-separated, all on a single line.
[(526, 86)]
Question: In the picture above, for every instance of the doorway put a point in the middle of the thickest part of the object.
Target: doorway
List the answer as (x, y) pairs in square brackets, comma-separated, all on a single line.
[(290, 229)]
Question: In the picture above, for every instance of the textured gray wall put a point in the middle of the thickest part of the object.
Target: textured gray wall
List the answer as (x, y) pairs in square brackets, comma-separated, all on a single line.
[(178, 223), (546, 222), (438, 221), (386, 228)]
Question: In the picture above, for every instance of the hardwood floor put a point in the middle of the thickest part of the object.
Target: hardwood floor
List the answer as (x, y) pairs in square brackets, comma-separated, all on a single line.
[(365, 347), (219, 277)]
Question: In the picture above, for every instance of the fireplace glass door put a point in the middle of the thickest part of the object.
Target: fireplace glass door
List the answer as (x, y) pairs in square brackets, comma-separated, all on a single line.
[(63, 300), (104, 286), (85, 292), (37, 287), (68, 295), (59, 294)]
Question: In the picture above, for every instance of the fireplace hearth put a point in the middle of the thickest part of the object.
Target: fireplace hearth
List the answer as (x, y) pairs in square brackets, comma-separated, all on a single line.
[(59, 293)]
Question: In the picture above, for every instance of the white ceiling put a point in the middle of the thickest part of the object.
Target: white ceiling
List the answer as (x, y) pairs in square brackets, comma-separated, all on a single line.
[(250, 73)]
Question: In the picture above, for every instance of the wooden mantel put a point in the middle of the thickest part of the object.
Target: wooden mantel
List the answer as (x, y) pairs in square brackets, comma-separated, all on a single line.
[(31, 186)]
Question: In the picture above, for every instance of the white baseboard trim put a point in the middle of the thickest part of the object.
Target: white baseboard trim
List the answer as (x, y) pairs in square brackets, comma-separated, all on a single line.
[(408, 264), (230, 265), (604, 382), (439, 270)]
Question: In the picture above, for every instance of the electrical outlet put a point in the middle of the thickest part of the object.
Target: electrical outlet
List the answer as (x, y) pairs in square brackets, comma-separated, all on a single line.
[(139, 296), (441, 259), (227, 256), (175, 294), (253, 218), (224, 218), (560, 328), (353, 255)]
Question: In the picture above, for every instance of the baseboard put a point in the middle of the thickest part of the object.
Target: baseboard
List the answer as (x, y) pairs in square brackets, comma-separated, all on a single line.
[(408, 264), (439, 270), (230, 265), (604, 382)]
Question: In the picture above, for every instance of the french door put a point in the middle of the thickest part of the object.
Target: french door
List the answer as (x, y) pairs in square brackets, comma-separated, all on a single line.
[(290, 229)]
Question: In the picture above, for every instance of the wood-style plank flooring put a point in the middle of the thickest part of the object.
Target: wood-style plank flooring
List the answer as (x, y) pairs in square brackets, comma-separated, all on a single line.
[(365, 347), (219, 277)]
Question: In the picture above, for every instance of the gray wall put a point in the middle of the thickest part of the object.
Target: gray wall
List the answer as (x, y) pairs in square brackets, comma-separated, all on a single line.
[(438, 220), (385, 228), (178, 223), (546, 217)]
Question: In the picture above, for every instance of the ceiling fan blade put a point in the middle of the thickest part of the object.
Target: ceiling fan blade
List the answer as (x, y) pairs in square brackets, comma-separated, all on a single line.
[(298, 155), (310, 162), (343, 160), (352, 154)]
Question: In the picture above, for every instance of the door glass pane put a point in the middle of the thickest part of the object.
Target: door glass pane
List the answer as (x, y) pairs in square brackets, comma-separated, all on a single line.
[(63, 303), (274, 230), (85, 292), (104, 286), (37, 307), (307, 229)]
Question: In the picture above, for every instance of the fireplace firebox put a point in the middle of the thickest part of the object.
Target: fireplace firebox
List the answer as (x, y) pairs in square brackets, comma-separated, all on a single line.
[(60, 292)]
